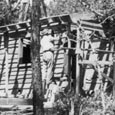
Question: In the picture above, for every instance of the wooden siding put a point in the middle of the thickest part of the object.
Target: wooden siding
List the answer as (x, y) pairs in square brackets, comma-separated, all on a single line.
[(20, 77)]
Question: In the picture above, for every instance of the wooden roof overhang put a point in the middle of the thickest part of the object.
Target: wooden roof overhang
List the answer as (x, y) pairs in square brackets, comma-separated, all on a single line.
[(58, 23)]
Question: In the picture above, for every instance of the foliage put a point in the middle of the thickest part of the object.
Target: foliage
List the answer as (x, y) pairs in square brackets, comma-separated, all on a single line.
[(9, 12), (62, 102), (3, 9), (66, 103), (101, 8), (64, 7), (6, 13), (96, 106), (99, 103)]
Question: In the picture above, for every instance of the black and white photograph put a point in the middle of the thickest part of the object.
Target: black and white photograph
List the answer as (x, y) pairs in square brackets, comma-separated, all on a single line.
[(57, 57)]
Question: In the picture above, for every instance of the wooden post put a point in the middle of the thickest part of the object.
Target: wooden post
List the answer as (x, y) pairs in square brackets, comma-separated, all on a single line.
[(6, 62), (35, 59), (114, 72), (77, 64), (6, 71), (69, 62)]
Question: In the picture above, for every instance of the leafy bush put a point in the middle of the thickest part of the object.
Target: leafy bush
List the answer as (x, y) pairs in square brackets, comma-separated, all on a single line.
[(99, 104)]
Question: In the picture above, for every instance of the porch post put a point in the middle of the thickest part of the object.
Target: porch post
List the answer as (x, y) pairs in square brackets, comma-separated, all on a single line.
[(6, 62), (77, 64), (114, 71)]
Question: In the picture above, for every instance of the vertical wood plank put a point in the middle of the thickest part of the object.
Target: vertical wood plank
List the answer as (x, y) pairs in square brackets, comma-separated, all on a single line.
[(77, 59), (6, 62), (114, 72)]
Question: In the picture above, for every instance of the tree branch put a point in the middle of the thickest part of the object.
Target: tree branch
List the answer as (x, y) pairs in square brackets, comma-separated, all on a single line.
[(87, 6), (107, 18)]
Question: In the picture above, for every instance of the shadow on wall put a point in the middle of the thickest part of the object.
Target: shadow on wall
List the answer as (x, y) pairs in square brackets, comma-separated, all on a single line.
[(94, 80), (20, 77)]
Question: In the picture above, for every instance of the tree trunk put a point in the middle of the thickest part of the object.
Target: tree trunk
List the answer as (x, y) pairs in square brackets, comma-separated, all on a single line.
[(35, 58)]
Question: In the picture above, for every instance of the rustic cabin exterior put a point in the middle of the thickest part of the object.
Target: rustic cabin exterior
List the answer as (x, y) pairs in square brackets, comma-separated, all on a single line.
[(93, 55)]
